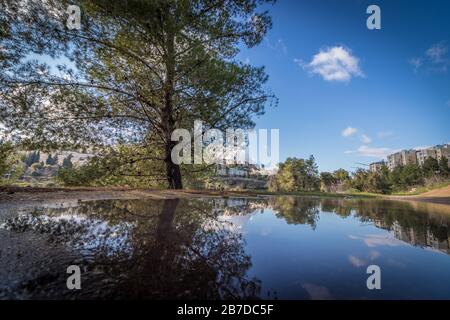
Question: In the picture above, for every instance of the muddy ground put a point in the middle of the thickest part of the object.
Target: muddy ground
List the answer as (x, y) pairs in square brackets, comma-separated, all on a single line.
[(24, 195)]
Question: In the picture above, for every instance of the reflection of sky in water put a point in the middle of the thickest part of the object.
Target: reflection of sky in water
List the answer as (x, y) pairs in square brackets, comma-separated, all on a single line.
[(299, 248), (83, 234), (330, 261)]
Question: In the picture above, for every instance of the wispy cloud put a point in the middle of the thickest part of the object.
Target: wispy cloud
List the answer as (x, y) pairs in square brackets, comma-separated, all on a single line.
[(349, 131), (373, 152), (376, 240), (356, 262), (417, 148), (279, 46), (334, 64), (365, 139), (435, 58), (300, 62), (385, 134), (438, 52), (416, 62), (317, 292)]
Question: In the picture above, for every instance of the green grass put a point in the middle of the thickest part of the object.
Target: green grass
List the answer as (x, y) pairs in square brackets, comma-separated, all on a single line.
[(313, 194), (422, 189), (351, 193)]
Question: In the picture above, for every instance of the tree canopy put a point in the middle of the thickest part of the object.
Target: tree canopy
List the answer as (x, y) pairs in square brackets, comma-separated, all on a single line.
[(296, 175), (133, 73)]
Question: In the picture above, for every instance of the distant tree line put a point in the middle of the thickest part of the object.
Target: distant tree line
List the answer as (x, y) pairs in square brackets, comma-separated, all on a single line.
[(385, 181), (302, 175), (32, 158), (51, 160), (15, 163)]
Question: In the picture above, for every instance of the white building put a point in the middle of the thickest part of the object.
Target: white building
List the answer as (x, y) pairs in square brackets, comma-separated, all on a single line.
[(422, 155), (406, 157)]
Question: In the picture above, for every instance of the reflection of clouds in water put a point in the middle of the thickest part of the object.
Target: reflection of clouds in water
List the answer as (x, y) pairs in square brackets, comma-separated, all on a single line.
[(374, 254), (395, 263), (434, 250), (360, 262), (238, 223), (374, 240), (356, 262), (317, 292), (78, 231), (266, 231), (235, 223)]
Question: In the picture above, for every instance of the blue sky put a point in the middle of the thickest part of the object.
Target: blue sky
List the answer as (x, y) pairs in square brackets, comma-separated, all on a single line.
[(389, 88)]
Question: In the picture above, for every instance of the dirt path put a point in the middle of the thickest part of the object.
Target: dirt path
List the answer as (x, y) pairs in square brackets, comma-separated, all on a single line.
[(441, 195), (24, 195), (32, 195)]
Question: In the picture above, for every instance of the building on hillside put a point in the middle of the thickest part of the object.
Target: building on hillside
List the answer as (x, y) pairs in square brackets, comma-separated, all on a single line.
[(443, 151), (242, 170), (376, 166), (394, 160), (408, 157), (422, 155)]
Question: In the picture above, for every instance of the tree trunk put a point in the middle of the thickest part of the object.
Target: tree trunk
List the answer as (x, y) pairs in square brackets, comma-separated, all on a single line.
[(173, 172)]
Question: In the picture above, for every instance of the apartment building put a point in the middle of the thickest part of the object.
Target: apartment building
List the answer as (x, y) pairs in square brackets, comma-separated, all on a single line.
[(406, 157), (394, 160), (422, 155), (442, 151), (376, 166)]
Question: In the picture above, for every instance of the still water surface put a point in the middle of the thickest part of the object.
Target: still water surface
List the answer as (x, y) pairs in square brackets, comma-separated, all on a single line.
[(269, 248)]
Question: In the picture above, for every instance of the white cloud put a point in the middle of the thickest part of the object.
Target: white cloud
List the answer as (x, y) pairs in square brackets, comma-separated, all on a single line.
[(437, 52), (300, 62), (356, 262), (349, 131), (375, 240), (366, 151), (435, 58), (421, 148), (385, 134), (416, 62), (317, 292), (335, 64), (374, 254), (365, 139)]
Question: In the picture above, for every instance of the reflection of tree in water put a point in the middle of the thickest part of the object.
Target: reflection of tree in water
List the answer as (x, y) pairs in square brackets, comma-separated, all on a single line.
[(338, 206), (417, 224), (181, 257), (296, 210), (184, 249), (168, 249), (414, 223)]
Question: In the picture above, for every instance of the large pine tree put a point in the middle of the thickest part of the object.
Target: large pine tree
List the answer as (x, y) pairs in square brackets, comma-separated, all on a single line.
[(134, 72)]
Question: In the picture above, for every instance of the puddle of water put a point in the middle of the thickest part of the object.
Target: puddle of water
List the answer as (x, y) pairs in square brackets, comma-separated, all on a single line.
[(274, 247)]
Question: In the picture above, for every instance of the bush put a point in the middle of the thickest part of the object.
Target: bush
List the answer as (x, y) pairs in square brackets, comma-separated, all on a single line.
[(11, 168)]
